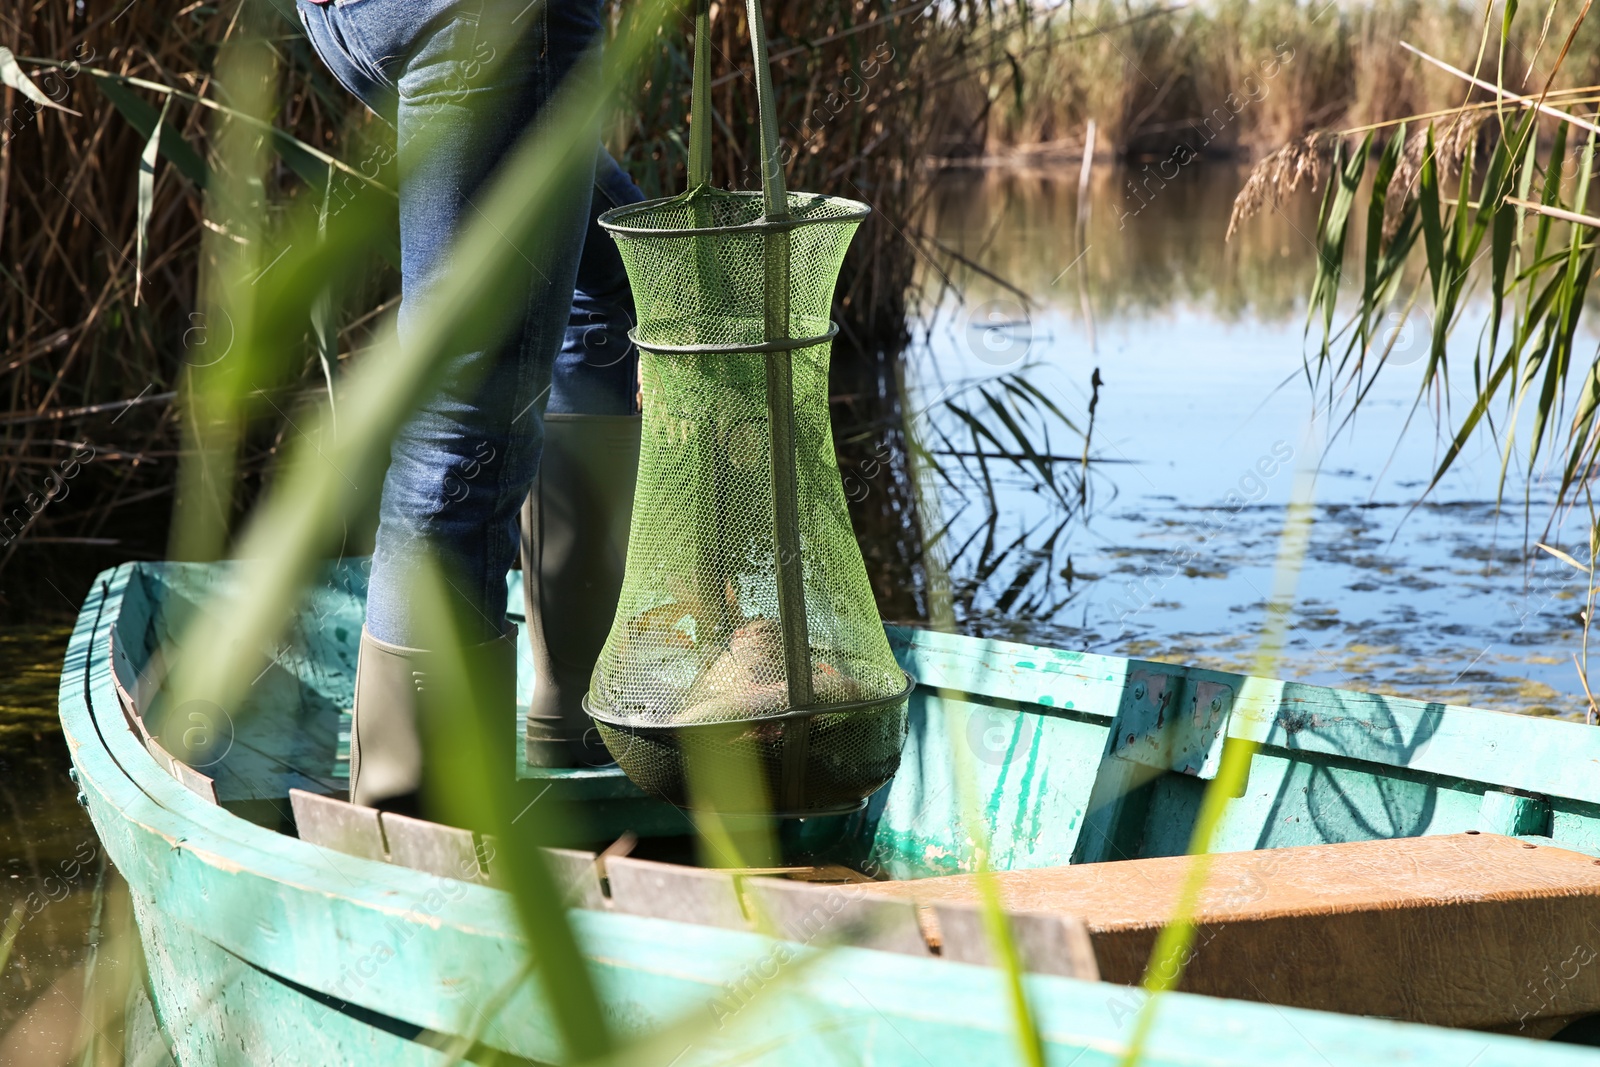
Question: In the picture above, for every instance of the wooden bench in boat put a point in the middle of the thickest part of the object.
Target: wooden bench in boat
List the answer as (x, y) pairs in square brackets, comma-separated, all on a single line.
[(1444, 930), (816, 906)]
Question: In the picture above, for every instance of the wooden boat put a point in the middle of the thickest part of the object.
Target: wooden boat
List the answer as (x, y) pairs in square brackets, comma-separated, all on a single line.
[(1389, 858)]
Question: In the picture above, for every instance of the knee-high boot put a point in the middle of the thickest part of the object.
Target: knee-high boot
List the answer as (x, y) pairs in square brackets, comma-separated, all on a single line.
[(400, 703), (575, 542)]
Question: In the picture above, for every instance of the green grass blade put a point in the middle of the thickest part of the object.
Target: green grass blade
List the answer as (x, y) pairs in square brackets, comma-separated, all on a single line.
[(1555, 370), (313, 166), (1479, 407), (998, 929), (459, 751), (976, 426), (1433, 240), (1171, 951), (1377, 205), (146, 119), (1323, 210), (1539, 266), (1500, 218), (147, 198), (1580, 452), (324, 324), (1432, 220), (1506, 18), (1564, 309), (1040, 464), (1051, 406), (1461, 219), (1552, 188), (1335, 229), (8, 936), (281, 138), (1504, 229)]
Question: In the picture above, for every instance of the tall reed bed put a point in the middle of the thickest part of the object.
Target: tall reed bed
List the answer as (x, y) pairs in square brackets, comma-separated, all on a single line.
[(101, 335), (1154, 74)]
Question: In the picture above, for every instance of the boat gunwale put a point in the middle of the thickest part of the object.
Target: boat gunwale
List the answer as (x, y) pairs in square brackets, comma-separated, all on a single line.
[(1264, 709)]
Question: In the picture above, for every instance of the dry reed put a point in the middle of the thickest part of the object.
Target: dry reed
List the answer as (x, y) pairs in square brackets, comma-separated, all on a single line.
[(1152, 74)]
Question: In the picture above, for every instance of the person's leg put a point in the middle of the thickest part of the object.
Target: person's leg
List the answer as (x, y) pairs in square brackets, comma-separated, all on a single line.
[(597, 369), (466, 78), (325, 31), (471, 83)]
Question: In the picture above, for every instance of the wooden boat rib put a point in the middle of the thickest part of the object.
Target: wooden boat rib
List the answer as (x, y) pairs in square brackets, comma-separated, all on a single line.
[(263, 948)]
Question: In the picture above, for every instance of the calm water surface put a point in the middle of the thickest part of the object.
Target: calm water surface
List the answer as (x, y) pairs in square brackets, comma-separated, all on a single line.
[(49, 856), (1204, 420)]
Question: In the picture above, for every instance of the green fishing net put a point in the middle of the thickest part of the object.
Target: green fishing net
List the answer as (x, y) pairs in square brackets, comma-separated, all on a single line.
[(729, 651)]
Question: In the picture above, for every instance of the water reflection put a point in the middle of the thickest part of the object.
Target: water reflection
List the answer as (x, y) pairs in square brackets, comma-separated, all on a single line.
[(49, 855), (1160, 254), (1149, 526)]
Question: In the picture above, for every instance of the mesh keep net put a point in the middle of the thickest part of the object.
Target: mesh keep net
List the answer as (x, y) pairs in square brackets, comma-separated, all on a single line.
[(695, 668)]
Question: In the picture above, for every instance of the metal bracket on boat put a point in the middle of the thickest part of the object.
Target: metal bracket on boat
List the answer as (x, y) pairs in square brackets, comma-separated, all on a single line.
[(1173, 723)]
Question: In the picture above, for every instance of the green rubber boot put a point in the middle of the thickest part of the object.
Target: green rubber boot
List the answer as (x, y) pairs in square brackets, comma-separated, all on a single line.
[(397, 707), (575, 543)]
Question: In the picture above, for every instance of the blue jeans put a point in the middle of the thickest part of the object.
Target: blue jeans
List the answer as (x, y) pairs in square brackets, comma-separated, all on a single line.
[(460, 81)]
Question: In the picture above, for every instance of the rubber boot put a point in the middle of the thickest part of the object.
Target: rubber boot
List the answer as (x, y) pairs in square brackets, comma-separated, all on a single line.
[(397, 707), (575, 542)]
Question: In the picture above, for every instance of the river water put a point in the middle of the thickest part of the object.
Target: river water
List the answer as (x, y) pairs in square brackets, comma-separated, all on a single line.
[(1205, 419), (1168, 548), (49, 856)]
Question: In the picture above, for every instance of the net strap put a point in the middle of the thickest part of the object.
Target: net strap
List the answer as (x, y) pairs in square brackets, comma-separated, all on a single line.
[(700, 99), (772, 183), (780, 382)]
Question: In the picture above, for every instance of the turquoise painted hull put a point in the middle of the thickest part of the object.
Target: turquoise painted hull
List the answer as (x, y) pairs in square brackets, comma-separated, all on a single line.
[(264, 949)]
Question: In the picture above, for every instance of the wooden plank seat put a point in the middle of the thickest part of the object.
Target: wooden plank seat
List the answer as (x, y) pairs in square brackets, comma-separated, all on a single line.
[(1468, 930), (844, 912), (442, 851), (816, 906)]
